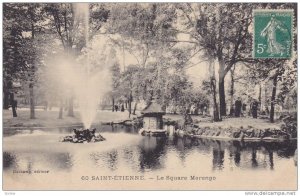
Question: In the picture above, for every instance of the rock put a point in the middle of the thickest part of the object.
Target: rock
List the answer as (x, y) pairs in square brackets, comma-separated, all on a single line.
[(84, 136), (66, 139), (242, 135), (75, 140), (268, 132), (236, 134), (262, 133), (248, 133), (256, 133), (252, 134)]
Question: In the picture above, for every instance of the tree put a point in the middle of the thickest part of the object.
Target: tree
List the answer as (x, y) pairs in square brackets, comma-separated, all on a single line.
[(288, 88), (63, 21), (21, 49), (34, 16), (231, 92), (128, 78), (273, 70), (71, 22), (140, 30), (116, 74), (221, 30), (13, 61)]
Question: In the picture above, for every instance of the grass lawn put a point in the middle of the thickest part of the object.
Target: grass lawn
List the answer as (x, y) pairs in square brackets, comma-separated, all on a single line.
[(242, 122), (229, 122), (43, 119), (50, 119)]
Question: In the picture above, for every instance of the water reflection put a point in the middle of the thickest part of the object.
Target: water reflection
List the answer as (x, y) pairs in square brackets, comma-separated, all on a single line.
[(108, 160), (235, 151), (218, 155), (156, 153), (63, 161), (151, 150), (115, 128), (111, 159), (17, 161), (9, 160)]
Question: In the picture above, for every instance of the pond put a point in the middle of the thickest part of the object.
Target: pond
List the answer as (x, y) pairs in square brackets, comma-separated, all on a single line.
[(36, 160)]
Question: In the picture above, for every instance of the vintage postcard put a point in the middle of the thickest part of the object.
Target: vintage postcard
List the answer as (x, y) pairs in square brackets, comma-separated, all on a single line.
[(149, 96)]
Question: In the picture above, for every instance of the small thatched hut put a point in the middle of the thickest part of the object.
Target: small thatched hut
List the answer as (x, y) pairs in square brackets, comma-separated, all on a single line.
[(152, 116)]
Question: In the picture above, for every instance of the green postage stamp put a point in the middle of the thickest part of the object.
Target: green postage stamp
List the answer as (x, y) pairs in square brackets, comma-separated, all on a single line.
[(273, 33)]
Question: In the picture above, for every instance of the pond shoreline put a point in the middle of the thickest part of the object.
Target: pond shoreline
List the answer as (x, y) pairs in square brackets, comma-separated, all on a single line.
[(240, 134), (223, 134), (243, 128), (239, 139)]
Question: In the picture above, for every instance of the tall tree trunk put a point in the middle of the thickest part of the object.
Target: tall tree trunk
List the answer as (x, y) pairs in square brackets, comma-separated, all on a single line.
[(129, 104), (266, 100), (31, 98), (232, 86), (216, 116), (5, 99), (113, 104), (71, 107), (31, 95), (259, 96), (6, 95), (222, 96), (129, 108), (273, 98), (123, 54), (13, 105), (216, 109), (134, 108), (222, 85), (61, 109)]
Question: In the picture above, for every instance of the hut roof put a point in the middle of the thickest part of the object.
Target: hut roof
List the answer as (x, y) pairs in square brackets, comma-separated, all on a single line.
[(154, 108)]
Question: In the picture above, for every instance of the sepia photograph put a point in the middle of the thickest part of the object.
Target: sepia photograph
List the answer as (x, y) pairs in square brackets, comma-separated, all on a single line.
[(149, 96)]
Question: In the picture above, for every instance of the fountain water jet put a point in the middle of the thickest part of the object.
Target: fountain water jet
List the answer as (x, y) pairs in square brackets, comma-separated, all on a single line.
[(92, 83), (87, 77)]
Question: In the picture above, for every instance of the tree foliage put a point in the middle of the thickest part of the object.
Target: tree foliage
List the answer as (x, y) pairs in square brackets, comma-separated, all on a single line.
[(150, 33)]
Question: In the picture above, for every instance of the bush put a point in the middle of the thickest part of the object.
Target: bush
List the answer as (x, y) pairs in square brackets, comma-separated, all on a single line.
[(289, 124)]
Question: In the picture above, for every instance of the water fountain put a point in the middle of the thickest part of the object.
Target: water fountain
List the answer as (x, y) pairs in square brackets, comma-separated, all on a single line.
[(87, 105), (83, 136), (87, 84)]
